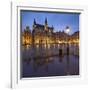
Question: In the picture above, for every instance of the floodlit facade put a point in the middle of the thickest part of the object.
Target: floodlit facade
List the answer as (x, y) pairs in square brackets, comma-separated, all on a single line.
[(44, 34)]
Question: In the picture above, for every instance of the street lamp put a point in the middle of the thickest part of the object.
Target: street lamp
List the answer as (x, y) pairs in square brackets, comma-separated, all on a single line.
[(67, 30), (68, 61)]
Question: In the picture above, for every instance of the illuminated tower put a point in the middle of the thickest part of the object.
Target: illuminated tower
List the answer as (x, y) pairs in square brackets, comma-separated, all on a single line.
[(46, 30), (46, 25), (34, 24)]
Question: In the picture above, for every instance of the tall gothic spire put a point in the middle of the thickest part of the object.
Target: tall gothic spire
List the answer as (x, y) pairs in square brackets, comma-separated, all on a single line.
[(34, 21), (46, 21)]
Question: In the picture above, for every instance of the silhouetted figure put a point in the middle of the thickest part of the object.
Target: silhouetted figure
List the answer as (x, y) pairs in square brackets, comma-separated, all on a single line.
[(68, 50), (60, 52)]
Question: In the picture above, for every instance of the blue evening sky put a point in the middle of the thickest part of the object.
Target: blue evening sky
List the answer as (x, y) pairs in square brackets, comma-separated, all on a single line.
[(58, 20)]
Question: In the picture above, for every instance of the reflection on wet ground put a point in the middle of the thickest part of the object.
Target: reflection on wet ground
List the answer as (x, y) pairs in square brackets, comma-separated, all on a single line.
[(42, 61)]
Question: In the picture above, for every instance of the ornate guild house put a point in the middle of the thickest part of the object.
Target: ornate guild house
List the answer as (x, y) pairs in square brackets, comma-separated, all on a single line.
[(44, 34)]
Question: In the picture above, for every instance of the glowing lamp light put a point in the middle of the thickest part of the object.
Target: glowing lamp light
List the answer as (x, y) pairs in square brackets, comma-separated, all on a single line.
[(67, 30)]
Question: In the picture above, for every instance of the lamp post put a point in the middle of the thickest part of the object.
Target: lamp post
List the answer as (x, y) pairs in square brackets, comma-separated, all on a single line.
[(67, 30), (68, 61)]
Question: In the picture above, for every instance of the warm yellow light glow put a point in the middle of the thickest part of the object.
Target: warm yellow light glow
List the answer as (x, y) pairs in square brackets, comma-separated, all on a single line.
[(48, 46), (47, 41), (59, 42), (67, 31)]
